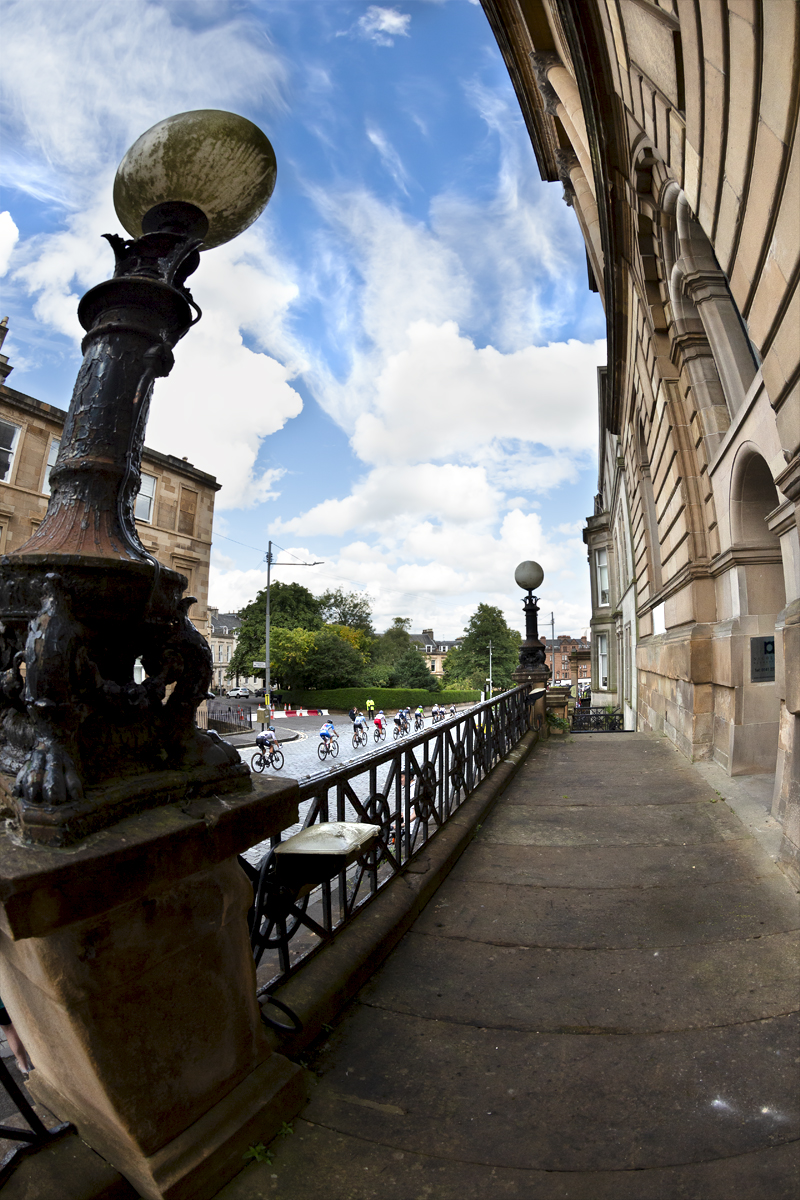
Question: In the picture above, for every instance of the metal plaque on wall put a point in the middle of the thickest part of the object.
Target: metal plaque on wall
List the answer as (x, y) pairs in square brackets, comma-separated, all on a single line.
[(762, 659)]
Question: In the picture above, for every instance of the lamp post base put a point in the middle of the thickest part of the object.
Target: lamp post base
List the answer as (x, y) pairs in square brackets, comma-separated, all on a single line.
[(206, 1155), (126, 965)]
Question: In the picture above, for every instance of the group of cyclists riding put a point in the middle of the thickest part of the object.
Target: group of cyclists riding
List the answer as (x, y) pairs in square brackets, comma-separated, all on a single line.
[(268, 753)]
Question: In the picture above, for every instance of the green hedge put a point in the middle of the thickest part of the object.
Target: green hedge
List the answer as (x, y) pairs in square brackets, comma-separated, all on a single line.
[(342, 699)]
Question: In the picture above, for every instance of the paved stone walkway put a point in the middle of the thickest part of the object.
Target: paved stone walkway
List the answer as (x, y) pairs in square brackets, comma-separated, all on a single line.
[(599, 1004)]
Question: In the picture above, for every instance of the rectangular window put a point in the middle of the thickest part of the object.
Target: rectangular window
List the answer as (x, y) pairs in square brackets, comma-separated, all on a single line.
[(187, 512), (52, 455), (9, 440), (143, 510), (601, 559), (628, 662), (602, 660)]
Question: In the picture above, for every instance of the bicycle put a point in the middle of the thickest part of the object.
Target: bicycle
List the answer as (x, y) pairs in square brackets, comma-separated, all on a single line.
[(359, 738), (419, 722), (379, 733), (271, 758), (331, 748)]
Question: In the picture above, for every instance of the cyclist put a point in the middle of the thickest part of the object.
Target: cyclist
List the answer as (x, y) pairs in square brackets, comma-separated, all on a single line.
[(360, 722), (266, 740), (452, 710), (380, 720), (370, 710), (400, 720), (327, 732), (434, 713)]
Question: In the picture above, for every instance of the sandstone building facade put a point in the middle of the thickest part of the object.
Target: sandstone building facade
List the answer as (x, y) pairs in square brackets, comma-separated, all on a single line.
[(672, 126), (174, 510), (435, 649)]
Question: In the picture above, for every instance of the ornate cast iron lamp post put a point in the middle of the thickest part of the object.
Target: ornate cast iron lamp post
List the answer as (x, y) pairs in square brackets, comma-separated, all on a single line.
[(126, 961), (83, 599), (532, 654)]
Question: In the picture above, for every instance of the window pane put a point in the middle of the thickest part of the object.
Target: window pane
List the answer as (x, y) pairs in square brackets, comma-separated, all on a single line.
[(144, 501), (55, 444), (8, 443)]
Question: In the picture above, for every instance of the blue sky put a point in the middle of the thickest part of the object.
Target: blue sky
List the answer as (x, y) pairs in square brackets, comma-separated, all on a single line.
[(396, 368)]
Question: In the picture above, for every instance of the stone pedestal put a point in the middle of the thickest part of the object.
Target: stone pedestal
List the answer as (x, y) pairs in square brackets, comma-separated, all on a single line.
[(537, 676), (126, 965)]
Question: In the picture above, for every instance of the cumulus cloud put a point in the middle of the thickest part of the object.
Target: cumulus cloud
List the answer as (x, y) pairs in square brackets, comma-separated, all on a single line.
[(464, 397), (383, 25), (387, 497), (9, 235)]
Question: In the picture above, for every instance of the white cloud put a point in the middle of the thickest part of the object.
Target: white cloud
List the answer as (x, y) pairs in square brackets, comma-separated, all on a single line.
[(388, 155), (383, 25), (441, 396), (76, 94), (436, 573), (386, 499), (79, 91), (9, 235)]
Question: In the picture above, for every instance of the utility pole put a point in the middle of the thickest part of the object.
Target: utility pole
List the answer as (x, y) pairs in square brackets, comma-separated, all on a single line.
[(267, 675), (490, 670), (552, 646)]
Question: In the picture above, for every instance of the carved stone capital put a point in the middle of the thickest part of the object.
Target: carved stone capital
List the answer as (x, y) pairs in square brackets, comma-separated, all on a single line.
[(542, 62)]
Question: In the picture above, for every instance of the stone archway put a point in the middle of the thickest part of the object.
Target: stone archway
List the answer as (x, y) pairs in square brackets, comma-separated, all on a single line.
[(757, 597)]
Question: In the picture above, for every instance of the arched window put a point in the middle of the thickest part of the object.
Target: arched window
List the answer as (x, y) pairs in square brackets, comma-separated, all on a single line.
[(753, 497)]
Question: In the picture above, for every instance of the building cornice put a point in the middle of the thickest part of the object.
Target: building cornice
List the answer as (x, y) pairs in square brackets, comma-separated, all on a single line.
[(43, 411), (744, 556)]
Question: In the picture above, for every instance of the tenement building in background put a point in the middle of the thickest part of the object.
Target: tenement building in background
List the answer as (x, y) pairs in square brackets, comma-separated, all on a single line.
[(672, 126), (557, 657), (174, 508), (434, 649)]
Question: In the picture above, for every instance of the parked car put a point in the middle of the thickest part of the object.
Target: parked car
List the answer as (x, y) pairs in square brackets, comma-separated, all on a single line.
[(240, 693), (260, 693)]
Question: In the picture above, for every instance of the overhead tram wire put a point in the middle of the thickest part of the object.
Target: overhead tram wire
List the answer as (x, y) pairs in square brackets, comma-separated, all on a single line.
[(320, 574)]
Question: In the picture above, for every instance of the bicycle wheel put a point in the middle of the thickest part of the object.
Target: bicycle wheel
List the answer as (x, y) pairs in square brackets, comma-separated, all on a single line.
[(356, 741), (322, 751), (396, 734), (376, 734), (277, 759), (258, 761), (334, 747)]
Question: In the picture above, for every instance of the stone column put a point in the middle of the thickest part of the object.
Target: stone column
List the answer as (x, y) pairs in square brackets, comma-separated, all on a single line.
[(125, 962)]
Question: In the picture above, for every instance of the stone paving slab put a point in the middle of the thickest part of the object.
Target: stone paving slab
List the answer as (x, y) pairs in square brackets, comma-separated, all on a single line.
[(559, 1102), (598, 991), (604, 866), (504, 914), (505, 1050), (646, 825), (357, 1169)]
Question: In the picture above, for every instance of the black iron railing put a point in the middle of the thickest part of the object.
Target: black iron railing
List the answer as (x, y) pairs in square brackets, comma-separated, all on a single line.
[(597, 720), (226, 718), (37, 1134), (409, 788)]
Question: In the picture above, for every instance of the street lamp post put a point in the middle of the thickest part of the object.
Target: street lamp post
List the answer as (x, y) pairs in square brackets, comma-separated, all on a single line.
[(126, 960), (532, 653)]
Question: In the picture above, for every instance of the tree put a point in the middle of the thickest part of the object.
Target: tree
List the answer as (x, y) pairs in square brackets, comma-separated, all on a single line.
[(333, 662), (291, 606), (410, 671), (469, 662), (392, 644), (346, 608), (289, 651)]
